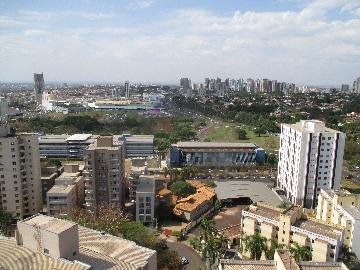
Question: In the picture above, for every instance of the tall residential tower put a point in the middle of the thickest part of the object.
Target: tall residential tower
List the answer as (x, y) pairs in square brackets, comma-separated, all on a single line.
[(39, 86), (104, 172), (310, 159), (20, 178)]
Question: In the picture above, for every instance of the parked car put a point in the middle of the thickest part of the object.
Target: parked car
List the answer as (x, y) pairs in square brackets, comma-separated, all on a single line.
[(184, 260)]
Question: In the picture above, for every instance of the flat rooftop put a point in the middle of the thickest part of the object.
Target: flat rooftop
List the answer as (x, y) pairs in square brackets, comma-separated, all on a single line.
[(264, 211), (318, 228), (354, 211), (214, 145), (257, 191), (61, 189), (140, 139), (79, 137), (299, 127), (50, 224)]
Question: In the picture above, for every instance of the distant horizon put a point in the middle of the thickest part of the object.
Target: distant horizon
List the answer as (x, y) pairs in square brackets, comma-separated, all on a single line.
[(306, 42), (146, 83)]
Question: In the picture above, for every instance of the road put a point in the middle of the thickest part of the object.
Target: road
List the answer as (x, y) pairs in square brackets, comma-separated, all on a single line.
[(184, 250)]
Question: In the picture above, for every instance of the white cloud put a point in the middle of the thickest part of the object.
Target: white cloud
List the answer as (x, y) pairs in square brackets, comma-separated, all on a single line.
[(141, 4), (304, 46)]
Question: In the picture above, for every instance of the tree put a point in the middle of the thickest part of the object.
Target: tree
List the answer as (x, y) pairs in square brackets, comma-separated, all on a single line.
[(195, 242), (242, 134), (217, 204), (169, 260), (259, 130), (5, 223), (284, 205), (300, 253), (182, 189), (255, 244), (207, 228), (270, 252), (272, 159), (349, 258)]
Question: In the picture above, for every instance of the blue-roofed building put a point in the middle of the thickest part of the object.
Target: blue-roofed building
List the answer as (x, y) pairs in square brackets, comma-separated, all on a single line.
[(209, 154)]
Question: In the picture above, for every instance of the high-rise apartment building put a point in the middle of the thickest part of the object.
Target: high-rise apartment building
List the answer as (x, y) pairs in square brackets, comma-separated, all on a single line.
[(20, 176), (310, 159), (104, 172), (185, 83), (345, 88), (357, 85), (39, 86), (127, 89)]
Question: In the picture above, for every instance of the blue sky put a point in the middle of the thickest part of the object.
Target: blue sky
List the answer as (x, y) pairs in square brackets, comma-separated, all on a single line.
[(306, 42)]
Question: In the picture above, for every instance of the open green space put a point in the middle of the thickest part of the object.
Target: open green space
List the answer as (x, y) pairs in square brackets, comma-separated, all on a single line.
[(225, 132), (352, 186)]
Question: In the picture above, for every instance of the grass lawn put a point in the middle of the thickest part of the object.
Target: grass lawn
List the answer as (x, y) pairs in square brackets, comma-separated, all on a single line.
[(225, 132), (351, 186)]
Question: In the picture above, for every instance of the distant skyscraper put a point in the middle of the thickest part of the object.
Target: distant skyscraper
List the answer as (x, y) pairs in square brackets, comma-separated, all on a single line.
[(344, 88), (39, 86), (310, 159), (127, 89), (357, 86)]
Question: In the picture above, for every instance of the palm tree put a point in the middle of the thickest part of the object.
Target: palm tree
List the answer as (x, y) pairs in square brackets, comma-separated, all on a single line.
[(274, 245), (349, 258), (221, 241), (210, 252), (166, 171), (195, 243), (208, 228), (255, 244), (300, 253)]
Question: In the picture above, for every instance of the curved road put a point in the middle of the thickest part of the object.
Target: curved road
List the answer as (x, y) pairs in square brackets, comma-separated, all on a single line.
[(184, 250)]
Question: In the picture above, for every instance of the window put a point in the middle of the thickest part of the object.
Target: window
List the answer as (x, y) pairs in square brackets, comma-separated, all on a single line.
[(46, 251)]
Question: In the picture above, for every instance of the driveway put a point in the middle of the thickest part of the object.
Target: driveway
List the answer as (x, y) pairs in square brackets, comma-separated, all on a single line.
[(184, 250)]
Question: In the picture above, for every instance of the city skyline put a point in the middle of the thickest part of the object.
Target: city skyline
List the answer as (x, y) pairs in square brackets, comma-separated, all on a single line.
[(305, 42)]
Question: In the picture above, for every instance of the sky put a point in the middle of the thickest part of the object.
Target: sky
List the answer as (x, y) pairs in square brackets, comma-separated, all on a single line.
[(313, 42)]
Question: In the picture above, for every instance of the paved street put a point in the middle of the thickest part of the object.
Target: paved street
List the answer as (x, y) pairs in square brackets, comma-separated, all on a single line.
[(184, 250)]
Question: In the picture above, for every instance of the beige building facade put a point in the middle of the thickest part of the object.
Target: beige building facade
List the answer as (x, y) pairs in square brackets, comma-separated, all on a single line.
[(43, 243), (68, 191), (340, 207), (104, 172), (20, 176), (289, 226), (283, 260)]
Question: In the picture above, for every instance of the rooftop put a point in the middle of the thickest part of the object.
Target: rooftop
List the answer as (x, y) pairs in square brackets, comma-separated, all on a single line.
[(257, 191), (191, 202), (319, 228), (17, 257), (354, 211), (267, 211), (61, 189), (79, 137), (309, 126), (50, 224), (214, 145), (140, 138), (96, 250)]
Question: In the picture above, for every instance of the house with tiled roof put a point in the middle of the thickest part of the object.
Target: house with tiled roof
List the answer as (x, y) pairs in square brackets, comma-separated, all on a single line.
[(194, 206)]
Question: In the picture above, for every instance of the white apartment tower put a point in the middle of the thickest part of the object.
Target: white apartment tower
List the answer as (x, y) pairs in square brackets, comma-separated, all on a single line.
[(20, 177), (104, 172), (310, 159)]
